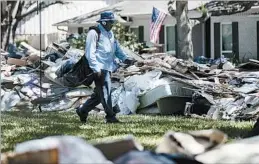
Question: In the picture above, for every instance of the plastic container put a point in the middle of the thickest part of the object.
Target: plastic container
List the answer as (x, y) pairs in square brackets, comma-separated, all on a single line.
[(172, 105)]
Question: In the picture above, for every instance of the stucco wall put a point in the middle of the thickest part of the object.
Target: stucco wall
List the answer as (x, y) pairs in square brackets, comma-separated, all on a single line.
[(247, 34)]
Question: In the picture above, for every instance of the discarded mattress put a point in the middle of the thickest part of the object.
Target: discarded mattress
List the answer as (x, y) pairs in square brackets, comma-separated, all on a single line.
[(173, 89)]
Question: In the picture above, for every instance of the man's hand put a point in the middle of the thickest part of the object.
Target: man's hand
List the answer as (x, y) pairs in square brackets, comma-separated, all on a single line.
[(98, 75), (129, 61)]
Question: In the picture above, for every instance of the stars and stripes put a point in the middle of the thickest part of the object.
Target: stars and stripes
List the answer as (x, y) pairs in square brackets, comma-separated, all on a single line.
[(156, 22)]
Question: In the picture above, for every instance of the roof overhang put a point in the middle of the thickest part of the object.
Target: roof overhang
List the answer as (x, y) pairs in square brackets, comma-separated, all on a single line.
[(85, 24)]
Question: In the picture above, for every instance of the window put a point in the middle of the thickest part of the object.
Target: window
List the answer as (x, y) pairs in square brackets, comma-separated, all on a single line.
[(226, 38), (80, 30), (170, 38), (135, 30)]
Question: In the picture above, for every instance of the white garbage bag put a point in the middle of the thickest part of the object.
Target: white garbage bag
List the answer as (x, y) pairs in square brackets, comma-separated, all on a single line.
[(132, 100), (124, 110), (143, 82)]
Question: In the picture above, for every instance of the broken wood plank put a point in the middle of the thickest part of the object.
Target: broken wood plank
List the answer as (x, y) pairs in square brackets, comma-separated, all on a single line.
[(253, 60), (173, 73), (194, 75), (132, 73), (183, 81), (153, 55), (211, 91)]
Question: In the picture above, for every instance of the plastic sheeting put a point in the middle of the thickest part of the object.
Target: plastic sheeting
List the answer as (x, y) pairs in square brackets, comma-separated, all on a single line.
[(74, 54), (128, 101), (127, 96), (9, 100)]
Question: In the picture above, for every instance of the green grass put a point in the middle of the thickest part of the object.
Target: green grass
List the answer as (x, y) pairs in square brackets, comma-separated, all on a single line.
[(17, 127)]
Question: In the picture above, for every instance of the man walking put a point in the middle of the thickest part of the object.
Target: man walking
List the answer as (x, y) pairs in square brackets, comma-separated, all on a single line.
[(101, 50)]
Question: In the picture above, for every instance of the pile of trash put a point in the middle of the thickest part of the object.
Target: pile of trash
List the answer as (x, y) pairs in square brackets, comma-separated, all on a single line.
[(196, 147), (158, 83)]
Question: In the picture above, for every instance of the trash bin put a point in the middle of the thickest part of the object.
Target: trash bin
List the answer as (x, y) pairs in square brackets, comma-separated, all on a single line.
[(171, 105)]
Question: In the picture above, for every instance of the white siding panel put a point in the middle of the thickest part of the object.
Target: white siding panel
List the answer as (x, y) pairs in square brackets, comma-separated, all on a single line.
[(146, 23), (57, 13), (247, 34)]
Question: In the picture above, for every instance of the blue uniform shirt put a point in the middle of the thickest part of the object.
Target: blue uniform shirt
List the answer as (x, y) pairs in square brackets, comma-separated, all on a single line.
[(103, 56)]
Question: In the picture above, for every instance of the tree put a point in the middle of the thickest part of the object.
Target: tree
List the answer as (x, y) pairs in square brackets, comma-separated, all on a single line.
[(184, 28), (12, 12), (185, 25), (217, 8)]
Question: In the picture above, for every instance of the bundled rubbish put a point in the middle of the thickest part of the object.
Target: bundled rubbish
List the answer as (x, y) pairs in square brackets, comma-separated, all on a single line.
[(158, 83), (196, 147)]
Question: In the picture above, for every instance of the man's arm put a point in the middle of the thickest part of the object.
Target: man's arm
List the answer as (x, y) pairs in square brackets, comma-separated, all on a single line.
[(90, 49), (119, 53)]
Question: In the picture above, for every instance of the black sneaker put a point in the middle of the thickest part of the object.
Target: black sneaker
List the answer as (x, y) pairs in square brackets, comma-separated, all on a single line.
[(81, 116), (112, 120), (116, 109)]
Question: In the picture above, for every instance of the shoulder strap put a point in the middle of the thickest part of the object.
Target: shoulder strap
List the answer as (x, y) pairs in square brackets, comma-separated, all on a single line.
[(97, 30)]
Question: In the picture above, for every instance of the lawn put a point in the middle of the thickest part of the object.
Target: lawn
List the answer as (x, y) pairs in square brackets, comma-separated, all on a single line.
[(17, 127)]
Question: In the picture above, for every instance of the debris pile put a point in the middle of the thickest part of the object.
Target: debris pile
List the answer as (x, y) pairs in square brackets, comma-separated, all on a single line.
[(197, 147), (158, 83)]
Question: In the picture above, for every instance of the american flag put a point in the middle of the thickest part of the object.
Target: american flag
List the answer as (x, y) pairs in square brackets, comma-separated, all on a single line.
[(156, 22)]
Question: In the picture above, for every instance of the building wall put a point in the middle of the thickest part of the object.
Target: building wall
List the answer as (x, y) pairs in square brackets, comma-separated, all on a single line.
[(137, 21), (247, 34), (57, 13), (145, 21), (171, 21), (30, 28), (198, 40), (197, 35), (46, 39), (73, 29)]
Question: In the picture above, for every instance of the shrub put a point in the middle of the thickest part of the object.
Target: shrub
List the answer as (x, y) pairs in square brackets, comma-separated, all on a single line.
[(18, 42), (125, 38)]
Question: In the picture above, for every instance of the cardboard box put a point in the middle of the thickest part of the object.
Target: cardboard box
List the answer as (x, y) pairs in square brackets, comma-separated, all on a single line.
[(113, 150), (17, 62), (40, 157)]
